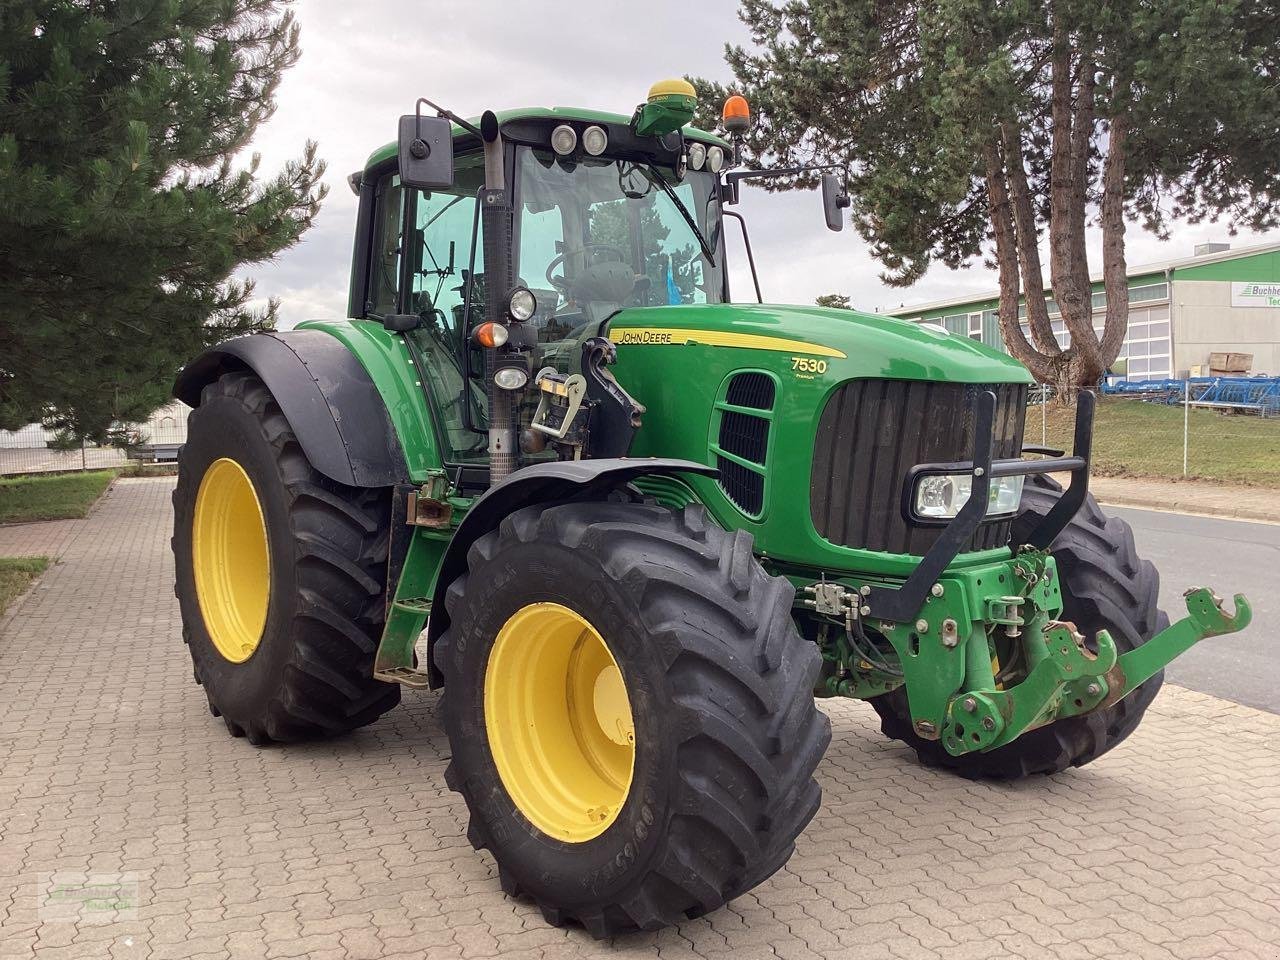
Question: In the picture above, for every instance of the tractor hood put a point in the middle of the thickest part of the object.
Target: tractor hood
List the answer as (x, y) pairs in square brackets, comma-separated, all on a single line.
[(848, 344)]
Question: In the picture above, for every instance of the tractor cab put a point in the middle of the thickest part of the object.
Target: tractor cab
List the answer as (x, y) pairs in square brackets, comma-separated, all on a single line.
[(598, 219)]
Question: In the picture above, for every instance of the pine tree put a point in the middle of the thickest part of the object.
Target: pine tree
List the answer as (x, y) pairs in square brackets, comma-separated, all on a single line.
[(838, 301), (974, 128), (124, 212)]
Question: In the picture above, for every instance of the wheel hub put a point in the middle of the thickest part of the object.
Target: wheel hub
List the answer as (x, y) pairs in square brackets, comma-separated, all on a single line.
[(559, 722), (231, 560)]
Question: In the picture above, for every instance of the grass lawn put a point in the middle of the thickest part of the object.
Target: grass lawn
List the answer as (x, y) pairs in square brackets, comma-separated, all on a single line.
[(1132, 438), (51, 496), (16, 574)]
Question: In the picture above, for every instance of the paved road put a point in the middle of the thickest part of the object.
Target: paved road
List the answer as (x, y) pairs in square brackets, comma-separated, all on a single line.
[(1168, 848), (1232, 556)]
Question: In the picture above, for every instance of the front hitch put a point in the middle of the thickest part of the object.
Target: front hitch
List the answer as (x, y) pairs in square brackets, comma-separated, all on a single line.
[(1206, 618), (1069, 679)]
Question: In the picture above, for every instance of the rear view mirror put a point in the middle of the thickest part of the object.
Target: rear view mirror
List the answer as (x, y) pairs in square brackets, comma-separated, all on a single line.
[(426, 152), (834, 200)]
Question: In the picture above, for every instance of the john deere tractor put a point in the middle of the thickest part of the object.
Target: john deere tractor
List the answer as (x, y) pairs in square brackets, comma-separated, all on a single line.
[(632, 526)]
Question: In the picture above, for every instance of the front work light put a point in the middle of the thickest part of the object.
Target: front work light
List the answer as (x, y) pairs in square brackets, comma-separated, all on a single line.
[(939, 496), (563, 139), (697, 155), (594, 140), (715, 159), (522, 305), (510, 378)]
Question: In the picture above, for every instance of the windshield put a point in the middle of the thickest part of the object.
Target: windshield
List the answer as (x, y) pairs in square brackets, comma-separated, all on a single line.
[(595, 235)]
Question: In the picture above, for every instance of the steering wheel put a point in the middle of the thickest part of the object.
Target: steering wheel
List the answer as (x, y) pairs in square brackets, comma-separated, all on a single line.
[(560, 283)]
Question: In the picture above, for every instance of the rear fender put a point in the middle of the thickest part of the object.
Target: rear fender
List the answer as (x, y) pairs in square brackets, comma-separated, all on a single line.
[(330, 400)]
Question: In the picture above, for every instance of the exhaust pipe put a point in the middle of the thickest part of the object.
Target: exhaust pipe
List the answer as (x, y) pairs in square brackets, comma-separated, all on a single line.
[(504, 448)]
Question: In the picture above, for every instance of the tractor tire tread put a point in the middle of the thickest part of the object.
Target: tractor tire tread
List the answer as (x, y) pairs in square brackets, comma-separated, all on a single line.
[(327, 685), (681, 569)]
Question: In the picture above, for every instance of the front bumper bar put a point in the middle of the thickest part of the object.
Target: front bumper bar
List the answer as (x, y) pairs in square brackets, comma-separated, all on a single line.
[(902, 604)]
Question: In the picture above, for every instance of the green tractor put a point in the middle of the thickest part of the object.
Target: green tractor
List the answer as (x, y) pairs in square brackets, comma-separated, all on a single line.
[(631, 527)]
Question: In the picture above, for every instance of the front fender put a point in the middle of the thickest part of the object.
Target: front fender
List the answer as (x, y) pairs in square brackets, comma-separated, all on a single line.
[(537, 483)]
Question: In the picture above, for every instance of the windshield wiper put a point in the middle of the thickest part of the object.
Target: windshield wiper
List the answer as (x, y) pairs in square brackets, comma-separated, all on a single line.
[(658, 178)]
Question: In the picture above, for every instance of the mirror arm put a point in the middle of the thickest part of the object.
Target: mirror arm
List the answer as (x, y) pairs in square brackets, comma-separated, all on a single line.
[(733, 178), (746, 242), (447, 114)]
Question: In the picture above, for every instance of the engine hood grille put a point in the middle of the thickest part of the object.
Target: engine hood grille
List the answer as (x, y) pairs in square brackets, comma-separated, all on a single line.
[(873, 431)]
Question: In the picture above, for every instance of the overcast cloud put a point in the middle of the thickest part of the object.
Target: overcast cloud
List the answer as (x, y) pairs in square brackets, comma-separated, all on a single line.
[(364, 64)]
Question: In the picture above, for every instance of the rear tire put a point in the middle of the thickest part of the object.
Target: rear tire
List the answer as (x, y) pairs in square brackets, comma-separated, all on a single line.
[(310, 673), (726, 732), (1105, 585)]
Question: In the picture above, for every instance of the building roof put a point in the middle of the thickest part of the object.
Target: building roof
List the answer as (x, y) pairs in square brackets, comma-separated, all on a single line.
[(1135, 270)]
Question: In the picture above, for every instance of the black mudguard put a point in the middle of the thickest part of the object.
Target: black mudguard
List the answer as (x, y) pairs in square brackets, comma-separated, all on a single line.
[(330, 401), (537, 483)]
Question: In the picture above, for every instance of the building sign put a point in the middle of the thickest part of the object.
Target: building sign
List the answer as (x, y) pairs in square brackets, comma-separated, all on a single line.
[(1255, 295)]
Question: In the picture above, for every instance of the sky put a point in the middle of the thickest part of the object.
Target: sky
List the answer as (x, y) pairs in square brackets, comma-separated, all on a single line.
[(365, 64)]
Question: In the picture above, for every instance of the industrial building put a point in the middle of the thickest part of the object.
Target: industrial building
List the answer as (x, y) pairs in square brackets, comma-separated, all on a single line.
[(1219, 306)]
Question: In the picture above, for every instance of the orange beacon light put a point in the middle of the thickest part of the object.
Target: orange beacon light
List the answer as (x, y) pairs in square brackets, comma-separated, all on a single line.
[(736, 115)]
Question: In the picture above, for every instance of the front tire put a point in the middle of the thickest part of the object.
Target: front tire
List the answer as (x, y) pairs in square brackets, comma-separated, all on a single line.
[(1105, 585), (724, 734), (280, 574)]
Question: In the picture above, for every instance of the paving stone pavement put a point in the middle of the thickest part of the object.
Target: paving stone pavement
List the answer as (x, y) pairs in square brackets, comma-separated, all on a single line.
[(110, 764)]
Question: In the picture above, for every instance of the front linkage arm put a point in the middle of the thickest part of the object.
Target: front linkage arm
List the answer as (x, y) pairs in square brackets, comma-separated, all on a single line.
[(1069, 679)]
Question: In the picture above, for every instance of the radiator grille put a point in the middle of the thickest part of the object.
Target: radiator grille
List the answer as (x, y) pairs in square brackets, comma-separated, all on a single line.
[(745, 436), (873, 431), (744, 487), (753, 390)]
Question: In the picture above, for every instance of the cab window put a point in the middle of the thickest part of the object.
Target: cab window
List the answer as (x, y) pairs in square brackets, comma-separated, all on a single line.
[(388, 241)]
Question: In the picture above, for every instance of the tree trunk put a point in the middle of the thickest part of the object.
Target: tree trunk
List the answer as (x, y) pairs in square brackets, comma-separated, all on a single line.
[(1114, 277), (1028, 237), (1072, 114), (1007, 259)]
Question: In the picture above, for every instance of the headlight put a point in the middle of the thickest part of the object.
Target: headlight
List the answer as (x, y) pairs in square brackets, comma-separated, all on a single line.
[(563, 139), (594, 140), (697, 155), (510, 378), (715, 159), (940, 496), (522, 305)]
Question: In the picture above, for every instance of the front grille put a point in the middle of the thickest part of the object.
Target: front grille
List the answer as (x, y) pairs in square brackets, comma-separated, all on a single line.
[(872, 432)]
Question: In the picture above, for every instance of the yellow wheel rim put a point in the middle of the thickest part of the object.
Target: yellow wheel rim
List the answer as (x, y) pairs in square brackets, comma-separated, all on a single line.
[(231, 560), (559, 722)]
